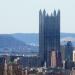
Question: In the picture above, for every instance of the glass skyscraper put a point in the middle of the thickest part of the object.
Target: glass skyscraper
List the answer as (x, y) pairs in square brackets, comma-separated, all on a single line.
[(68, 51), (49, 35)]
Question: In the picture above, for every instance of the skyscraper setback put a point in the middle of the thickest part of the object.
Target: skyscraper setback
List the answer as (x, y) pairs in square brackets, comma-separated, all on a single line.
[(49, 35)]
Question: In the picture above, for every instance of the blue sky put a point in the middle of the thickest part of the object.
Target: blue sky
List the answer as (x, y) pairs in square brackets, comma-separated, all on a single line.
[(22, 16)]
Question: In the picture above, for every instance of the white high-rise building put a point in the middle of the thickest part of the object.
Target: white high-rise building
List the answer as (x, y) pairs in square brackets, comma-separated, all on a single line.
[(73, 55), (53, 59)]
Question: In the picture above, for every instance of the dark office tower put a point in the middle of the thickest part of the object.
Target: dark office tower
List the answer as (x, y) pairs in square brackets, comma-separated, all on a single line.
[(68, 55), (59, 59), (49, 35), (68, 51)]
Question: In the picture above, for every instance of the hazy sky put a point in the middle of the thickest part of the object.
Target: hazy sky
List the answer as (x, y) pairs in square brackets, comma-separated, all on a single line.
[(22, 16)]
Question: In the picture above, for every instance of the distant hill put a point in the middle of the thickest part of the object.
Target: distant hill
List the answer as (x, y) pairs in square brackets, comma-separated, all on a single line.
[(67, 35), (7, 40), (27, 42), (28, 38), (33, 38), (8, 43)]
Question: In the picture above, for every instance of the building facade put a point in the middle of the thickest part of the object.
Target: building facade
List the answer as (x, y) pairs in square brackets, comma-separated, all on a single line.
[(69, 55), (68, 51), (49, 35), (74, 56), (53, 59)]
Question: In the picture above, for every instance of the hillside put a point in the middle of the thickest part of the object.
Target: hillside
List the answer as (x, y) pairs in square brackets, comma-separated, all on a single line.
[(27, 43), (33, 38), (8, 43)]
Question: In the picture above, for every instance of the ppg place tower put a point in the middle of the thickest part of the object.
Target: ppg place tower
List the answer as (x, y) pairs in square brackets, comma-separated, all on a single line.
[(49, 36)]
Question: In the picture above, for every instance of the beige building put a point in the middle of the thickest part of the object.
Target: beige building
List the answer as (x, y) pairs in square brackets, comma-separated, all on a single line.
[(53, 58), (74, 56)]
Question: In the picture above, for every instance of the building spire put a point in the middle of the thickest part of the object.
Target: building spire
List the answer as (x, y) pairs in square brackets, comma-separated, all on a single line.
[(44, 12), (40, 12), (58, 12), (54, 12)]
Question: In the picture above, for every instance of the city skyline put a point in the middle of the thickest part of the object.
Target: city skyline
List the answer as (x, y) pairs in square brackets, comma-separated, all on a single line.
[(21, 16)]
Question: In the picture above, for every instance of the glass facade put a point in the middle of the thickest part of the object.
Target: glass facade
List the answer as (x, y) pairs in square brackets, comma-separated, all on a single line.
[(49, 35), (68, 51)]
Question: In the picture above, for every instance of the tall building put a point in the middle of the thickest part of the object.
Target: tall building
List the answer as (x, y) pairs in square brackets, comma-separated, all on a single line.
[(53, 59), (49, 35), (68, 51), (74, 56), (68, 55)]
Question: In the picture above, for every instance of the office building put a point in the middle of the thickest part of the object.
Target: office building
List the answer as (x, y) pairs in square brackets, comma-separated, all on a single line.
[(49, 35), (53, 59), (68, 51), (74, 56), (68, 55)]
